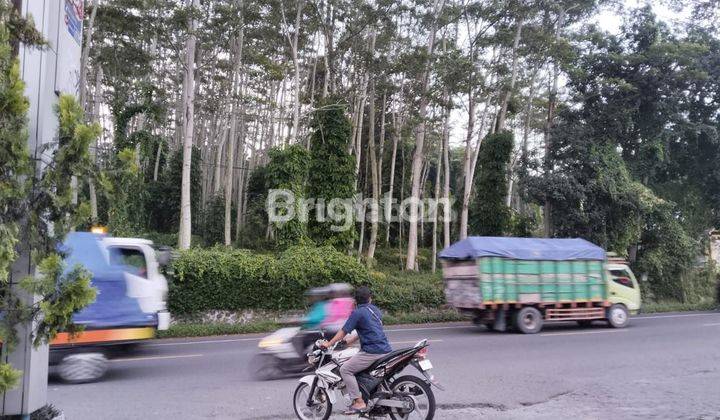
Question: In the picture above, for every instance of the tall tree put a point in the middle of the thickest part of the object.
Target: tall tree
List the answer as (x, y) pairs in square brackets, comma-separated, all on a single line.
[(185, 231)]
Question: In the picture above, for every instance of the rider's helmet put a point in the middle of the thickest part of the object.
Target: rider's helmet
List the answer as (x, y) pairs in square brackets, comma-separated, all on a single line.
[(340, 290), (318, 293)]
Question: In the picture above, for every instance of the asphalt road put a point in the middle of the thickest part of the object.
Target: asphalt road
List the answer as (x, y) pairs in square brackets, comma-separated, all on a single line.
[(662, 366)]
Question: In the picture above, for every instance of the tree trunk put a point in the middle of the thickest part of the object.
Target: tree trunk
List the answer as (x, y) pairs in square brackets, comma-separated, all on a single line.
[(296, 65), (185, 232), (375, 181), (513, 78), (85, 57), (397, 136), (416, 166), (436, 196), (358, 139), (552, 103), (236, 81), (446, 178)]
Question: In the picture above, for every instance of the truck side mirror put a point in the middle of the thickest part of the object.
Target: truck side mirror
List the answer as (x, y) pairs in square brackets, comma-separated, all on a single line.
[(163, 256)]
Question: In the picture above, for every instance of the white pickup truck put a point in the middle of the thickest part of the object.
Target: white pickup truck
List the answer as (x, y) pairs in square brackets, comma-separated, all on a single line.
[(130, 305)]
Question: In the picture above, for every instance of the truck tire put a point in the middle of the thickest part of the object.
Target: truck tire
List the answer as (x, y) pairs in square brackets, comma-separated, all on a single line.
[(617, 316), (529, 320), (83, 367)]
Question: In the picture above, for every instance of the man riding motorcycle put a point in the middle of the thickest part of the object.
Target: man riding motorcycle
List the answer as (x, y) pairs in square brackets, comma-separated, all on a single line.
[(366, 319)]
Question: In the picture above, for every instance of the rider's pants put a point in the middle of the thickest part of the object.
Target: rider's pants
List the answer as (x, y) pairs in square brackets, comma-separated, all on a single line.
[(355, 364)]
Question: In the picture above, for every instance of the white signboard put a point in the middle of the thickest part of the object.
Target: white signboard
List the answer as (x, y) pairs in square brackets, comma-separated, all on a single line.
[(69, 47)]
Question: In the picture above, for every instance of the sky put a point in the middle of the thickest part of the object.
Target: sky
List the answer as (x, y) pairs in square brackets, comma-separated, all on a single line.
[(610, 20)]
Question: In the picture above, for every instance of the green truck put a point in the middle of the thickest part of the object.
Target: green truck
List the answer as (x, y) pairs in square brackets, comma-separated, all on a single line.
[(504, 282)]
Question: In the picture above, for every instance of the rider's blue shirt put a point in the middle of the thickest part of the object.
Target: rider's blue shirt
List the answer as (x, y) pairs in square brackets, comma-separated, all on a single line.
[(367, 320)]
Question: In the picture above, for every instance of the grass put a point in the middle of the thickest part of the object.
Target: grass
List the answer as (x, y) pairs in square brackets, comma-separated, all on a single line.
[(671, 306), (181, 330)]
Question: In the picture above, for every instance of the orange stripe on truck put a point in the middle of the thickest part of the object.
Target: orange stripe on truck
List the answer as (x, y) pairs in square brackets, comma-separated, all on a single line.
[(97, 336)]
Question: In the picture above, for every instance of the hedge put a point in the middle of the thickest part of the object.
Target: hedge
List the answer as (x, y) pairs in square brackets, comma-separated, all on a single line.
[(228, 279), (234, 280)]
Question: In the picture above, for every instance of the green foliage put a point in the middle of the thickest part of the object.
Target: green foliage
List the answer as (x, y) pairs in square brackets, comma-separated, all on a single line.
[(229, 279), (490, 216), (213, 231), (399, 291), (9, 377), (163, 204), (205, 330), (124, 189), (288, 170), (332, 170), (37, 218)]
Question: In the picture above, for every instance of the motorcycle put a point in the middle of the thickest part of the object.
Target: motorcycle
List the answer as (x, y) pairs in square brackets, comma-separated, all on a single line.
[(282, 353), (384, 391)]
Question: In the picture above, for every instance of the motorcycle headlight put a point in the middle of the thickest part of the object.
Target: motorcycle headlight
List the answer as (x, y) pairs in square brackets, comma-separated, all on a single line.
[(269, 342)]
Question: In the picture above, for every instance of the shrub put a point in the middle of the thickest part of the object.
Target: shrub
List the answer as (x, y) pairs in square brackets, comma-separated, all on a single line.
[(231, 279), (228, 279), (407, 291)]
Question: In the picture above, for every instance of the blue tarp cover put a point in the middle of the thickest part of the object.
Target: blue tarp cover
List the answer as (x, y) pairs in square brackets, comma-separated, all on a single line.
[(523, 249), (112, 308)]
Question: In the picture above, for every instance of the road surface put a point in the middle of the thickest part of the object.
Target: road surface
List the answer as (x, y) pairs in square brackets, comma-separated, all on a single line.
[(663, 366)]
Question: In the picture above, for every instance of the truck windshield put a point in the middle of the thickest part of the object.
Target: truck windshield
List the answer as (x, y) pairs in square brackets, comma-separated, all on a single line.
[(132, 259), (622, 277)]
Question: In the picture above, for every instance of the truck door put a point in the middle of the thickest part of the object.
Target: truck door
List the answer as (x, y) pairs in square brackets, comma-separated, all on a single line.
[(138, 274), (624, 288)]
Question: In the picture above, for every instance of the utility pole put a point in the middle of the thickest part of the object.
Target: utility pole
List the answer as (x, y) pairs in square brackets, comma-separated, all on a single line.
[(47, 73)]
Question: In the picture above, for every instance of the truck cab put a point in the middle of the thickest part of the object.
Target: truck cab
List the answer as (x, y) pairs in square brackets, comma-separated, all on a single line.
[(130, 305), (623, 287), (145, 281)]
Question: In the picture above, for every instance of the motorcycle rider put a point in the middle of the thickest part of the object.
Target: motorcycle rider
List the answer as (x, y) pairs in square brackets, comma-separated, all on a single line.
[(366, 319), (319, 299)]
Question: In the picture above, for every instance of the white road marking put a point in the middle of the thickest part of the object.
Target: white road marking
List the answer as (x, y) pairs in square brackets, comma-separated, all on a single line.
[(582, 333), (712, 325), (414, 342), (449, 327), (185, 343), (136, 359), (675, 316)]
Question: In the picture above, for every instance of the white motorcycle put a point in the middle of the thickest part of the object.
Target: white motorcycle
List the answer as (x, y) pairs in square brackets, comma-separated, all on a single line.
[(385, 393)]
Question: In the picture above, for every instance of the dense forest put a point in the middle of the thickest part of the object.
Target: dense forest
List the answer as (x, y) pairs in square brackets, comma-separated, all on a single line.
[(525, 115)]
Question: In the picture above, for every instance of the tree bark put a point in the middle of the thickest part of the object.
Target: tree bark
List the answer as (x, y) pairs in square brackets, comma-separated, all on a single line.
[(513, 78), (293, 40), (436, 196), (185, 233), (552, 103), (374, 177), (85, 57), (236, 81), (446, 177), (397, 137), (416, 166)]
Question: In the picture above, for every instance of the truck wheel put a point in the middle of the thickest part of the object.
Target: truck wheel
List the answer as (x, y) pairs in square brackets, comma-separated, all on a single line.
[(617, 316), (529, 320), (83, 367)]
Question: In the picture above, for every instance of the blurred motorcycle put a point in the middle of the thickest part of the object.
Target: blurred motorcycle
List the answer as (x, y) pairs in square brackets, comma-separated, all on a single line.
[(282, 353)]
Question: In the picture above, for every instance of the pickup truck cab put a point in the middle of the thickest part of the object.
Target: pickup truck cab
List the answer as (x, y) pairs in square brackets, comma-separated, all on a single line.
[(130, 305)]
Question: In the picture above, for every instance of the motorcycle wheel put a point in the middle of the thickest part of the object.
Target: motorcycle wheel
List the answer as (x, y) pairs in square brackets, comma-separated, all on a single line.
[(265, 367), (421, 394), (320, 411)]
